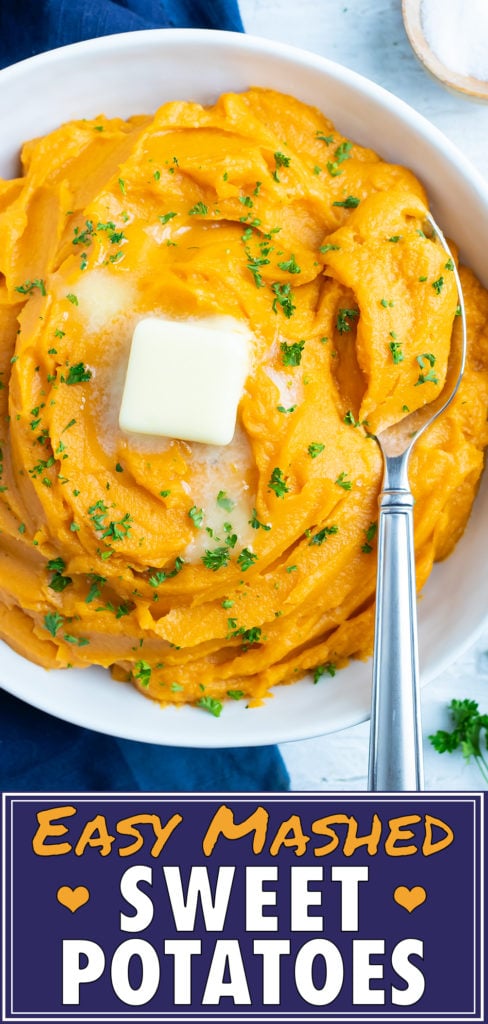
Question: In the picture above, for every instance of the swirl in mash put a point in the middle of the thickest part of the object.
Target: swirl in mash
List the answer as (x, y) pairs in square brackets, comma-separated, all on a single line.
[(201, 572)]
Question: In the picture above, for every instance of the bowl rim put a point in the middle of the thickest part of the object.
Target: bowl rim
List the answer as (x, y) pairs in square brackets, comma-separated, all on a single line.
[(399, 109)]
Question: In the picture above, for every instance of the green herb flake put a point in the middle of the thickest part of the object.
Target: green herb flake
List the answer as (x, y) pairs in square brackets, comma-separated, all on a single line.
[(315, 448), (255, 523), (284, 298), (290, 266), (430, 377), (438, 285), (78, 374), (277, 483), (53, 621), (328, 247), (328, 139), (396, 351), (349, 204), (370, 535), (281, 408), (343, 482), (216, 559), (343, 317), (223, 501), (319, 538), (291, 355), (167, 217), (196, 515), (142, 672), (328, 669), (246, 559), (199, 209), (29, 286), (210, 704)]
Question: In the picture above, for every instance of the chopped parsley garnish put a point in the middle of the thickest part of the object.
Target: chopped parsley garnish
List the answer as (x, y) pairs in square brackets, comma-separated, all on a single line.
[(78, 374), (255, 523), (351, 421), (394, 238), (72, 298), (396, 351), (142, 672), (58, 582), (246, 559), (122, 186), (199, 208), (216, 559), (161, 575), (281, 408), (166, 217), (254, 263), (291, 355), (210, 704), (438, 285), (223, 501), (343, 482), (80, 641), (342, 153), (430, 377), (277, 483), (284, 298), (290, 266), (449, 265), (315, 448), (235, 694), (281, 161), (318, 538), (329, 248), (84, 237), (328, 139), (343, 318), (29, 286), (96, 583), (349, 204), (56, 565), (321, 670), (196, 515), (53, 622), (370, 535), (386, 302)]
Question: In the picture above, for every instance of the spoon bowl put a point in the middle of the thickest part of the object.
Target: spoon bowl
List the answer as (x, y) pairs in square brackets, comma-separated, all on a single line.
[(395, 755)]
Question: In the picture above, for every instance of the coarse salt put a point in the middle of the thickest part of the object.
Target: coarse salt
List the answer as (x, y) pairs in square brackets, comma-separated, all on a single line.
[(457, 33)]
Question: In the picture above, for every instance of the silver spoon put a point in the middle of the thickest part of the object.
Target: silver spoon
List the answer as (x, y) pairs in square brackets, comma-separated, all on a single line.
[(395, 751)]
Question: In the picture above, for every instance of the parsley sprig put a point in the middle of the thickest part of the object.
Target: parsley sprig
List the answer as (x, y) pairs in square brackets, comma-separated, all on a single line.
[(469, 728)]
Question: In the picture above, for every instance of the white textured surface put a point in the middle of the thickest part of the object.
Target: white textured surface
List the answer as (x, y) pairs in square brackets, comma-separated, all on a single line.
[(370, 38)]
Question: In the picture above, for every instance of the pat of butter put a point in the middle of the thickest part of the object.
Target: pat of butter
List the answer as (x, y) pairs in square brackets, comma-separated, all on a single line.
[(185, 378)]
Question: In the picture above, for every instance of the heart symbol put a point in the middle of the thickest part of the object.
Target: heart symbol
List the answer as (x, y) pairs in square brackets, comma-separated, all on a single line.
[(73, 899), (410, 898)]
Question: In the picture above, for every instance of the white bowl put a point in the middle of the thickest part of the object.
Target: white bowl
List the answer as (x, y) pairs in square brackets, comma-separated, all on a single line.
[(135, 73)]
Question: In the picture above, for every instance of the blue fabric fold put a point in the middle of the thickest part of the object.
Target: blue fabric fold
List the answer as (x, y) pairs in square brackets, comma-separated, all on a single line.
[(40, 752), (37, 751), (29, 26)]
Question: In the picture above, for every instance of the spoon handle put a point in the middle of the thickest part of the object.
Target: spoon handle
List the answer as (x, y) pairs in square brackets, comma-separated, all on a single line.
[(395, 755)]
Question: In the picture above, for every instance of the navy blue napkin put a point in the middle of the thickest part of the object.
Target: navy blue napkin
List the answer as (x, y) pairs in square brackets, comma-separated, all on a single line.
[(39, 752), (32, 26)]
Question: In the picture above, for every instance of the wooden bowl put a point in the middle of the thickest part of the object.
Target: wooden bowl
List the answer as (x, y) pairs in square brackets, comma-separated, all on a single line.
[(467, 84)]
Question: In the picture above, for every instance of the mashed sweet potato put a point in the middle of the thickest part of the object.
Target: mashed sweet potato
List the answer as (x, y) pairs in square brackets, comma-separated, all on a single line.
[(202, 572)]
